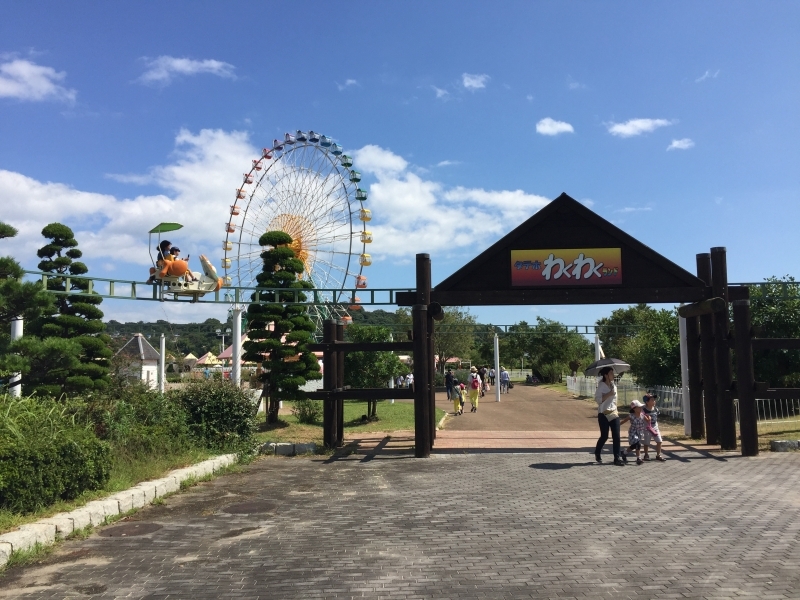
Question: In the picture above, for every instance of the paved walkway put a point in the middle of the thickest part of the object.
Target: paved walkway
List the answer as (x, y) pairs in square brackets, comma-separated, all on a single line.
[(453, 526)]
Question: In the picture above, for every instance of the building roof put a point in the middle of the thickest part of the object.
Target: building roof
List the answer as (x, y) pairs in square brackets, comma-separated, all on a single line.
[(207, 359), (139, 347)]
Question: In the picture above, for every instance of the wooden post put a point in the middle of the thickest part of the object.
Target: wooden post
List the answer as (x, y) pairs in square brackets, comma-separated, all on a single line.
[(727, 414), (422, 429), (424, 298), (695, 377), (745, 378), (707, 358), (340, 384), (329, 372)]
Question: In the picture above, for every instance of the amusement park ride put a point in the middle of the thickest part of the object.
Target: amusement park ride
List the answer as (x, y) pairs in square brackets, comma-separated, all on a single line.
[(307, 187)]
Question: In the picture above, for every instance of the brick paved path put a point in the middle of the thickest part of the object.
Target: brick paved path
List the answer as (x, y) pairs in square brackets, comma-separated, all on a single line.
[(454, 526)]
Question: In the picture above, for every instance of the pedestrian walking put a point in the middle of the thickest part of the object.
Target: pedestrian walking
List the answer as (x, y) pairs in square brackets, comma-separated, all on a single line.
[(652, 435), (491, 375), (474, 384), (607, 416), (505, 378), (448, 382), (636, 431)]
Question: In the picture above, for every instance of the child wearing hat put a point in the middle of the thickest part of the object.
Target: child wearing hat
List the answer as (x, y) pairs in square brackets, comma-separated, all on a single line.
[(652, 435), (637, 430)]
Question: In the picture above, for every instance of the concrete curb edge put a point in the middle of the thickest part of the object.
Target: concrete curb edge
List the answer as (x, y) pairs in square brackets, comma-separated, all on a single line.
[(47, 531)]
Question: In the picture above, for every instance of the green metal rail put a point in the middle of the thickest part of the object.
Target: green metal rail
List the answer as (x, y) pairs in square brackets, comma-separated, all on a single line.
[(121, 289)]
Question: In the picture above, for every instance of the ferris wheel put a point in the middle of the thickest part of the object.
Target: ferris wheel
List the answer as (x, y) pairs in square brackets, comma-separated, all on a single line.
[(307, 187)]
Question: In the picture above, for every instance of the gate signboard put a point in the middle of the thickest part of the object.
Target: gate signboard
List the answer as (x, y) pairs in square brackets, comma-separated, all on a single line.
[(581, 266)]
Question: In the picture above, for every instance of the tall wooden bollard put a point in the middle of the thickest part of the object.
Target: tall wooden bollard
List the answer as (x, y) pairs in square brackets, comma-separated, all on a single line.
[(707, 361), (329, 377), (695, 377), (745, 378), (727, 413), (340, 384), (422, 428)]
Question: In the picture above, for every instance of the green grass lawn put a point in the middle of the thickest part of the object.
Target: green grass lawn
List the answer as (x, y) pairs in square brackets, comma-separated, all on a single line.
[(391, 417)]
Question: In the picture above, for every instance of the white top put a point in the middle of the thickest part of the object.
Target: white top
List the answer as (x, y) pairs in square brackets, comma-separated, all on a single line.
[(610, 403)]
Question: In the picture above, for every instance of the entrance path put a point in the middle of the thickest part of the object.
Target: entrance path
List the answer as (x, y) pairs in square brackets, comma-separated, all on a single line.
[(528, 419), (457, 526)]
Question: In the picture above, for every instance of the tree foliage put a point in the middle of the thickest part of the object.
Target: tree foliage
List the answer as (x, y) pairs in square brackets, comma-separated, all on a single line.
[(370, 369), (279, 333), (618, 329), (17, 299), (549, 347), (775, 307), (453, 336), (654, 353), (77, 319)]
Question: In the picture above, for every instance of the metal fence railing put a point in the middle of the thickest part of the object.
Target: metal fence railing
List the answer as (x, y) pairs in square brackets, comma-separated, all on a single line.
[(774, 415)]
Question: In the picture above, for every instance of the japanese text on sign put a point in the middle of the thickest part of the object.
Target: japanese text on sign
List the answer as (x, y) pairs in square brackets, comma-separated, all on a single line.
[(575, 266)]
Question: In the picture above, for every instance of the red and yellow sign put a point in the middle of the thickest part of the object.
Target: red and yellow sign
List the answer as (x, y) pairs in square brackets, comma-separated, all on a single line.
[(573, 266)]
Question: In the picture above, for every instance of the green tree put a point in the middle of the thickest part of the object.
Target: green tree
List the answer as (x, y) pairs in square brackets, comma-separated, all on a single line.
[(551, 348), (77, 318), (17, 299), (775, 308), (617, 330), (654, 353), (453, 336), (279, 333), (370, 369)]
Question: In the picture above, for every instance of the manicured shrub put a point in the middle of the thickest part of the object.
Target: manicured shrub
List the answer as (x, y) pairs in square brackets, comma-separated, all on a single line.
[(46, 454), (307, 411), (220, 414)]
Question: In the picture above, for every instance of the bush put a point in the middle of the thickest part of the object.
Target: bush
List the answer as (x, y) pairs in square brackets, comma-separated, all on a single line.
[(219, 414), (307, 411), (551, 372), (139, 421), (46, 454)]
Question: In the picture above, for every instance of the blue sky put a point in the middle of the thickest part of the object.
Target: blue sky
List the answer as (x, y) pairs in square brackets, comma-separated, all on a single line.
[(677, 121)]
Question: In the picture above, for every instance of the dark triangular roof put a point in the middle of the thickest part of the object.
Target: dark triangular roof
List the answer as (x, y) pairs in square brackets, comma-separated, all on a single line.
[(139, 347), (565, 223)]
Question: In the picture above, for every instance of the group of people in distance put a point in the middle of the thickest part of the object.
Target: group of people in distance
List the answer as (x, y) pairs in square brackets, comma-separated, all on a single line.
[(477, 384), (643, 418)]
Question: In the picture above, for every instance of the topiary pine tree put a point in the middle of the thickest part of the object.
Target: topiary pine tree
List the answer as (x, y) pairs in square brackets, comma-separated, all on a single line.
[(78, 318), (279, 333), (17, 299)]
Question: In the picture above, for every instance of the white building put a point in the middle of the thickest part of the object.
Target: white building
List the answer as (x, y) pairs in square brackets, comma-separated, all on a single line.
[(143, 360)]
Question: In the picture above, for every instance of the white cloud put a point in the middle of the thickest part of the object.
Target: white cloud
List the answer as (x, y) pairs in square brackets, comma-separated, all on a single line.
[(474, 82), (682, 144), (24, 80), (587, 202), (346, 84), (548, 126), (409, 210), (440, 93), (447, 163), (197, 186), (636, 127), (529, 97), (163, 69), (633, 209), (574, 85), (376, 160), (707, 75)]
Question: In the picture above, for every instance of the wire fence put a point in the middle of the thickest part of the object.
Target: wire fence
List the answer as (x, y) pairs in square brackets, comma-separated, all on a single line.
[(774, 415)]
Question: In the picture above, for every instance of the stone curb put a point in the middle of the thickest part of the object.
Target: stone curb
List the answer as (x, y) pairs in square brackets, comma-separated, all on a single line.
[(287, 448), (95, 513)]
